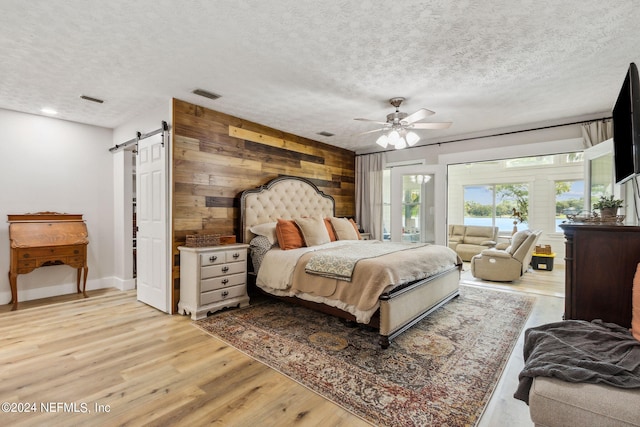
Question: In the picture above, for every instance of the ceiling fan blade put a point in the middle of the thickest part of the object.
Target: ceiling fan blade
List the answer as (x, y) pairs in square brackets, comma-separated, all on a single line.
[(372, 131), (422, 113), (438, 125), (373, 121)]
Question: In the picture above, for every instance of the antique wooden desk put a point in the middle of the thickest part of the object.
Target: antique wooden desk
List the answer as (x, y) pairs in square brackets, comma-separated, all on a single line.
[(43, 239)]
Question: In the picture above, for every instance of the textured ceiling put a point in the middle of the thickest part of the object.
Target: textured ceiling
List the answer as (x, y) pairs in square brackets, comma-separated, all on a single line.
[(305, 66)]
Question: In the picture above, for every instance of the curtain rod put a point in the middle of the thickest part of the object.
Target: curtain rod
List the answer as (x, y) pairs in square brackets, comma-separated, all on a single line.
[(495, 134), (139, 136)]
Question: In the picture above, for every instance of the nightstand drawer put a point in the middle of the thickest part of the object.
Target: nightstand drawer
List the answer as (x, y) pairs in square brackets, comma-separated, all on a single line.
[(212, 258), (221, 257), (222, 294), (237, 255), (222, 282), (223, 269)]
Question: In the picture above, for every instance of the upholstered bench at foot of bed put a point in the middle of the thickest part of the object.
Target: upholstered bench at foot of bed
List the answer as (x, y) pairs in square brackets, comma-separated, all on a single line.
[(553, 402), (402, 309)]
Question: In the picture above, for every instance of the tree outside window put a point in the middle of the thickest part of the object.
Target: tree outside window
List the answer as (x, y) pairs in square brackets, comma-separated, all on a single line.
[(497, 205)]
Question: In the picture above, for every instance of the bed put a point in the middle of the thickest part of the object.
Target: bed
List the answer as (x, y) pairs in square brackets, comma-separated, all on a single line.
[(387, 286)]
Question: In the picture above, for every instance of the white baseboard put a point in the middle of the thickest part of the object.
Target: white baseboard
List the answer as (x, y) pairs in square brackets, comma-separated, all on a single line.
[(34, 293)]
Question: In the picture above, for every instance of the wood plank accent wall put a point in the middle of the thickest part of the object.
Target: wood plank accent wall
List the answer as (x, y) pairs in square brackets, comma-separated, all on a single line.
[(216, 156)]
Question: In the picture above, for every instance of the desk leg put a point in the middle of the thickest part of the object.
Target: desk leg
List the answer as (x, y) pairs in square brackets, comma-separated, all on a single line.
[(13, 282), (84, 281)]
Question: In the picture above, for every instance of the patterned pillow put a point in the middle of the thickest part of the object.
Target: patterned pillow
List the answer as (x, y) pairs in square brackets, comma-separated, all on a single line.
[(258, 247)]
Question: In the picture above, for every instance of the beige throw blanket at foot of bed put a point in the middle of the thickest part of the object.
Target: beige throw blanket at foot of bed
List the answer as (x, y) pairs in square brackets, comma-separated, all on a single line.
[(338, 263), (371, 277)]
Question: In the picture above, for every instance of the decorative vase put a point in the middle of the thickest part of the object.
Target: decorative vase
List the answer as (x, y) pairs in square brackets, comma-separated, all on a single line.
[(609, 212)]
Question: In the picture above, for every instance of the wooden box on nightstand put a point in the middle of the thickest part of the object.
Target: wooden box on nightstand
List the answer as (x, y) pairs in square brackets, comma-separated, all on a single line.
[(212, 278)]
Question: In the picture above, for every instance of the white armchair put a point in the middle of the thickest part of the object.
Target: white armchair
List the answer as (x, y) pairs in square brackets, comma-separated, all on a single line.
[(509, 264)]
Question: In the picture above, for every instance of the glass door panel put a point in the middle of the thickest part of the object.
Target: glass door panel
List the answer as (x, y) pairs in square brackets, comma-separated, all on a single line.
[(415, 215)]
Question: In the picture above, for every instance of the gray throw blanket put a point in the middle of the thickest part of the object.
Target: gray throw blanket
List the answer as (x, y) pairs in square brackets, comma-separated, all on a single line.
[(580, 351)]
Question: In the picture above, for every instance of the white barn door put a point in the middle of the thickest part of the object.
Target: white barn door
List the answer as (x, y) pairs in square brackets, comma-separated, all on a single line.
[(153, 249)]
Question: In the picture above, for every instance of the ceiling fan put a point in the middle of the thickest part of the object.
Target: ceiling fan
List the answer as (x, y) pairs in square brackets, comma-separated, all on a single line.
[(401, 125)]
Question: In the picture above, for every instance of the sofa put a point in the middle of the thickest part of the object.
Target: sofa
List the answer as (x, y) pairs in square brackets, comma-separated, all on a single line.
[(470, 240), (509, 264)]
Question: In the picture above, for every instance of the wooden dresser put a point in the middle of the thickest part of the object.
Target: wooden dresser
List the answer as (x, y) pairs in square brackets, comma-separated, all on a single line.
[(45, 239), (212, 278), (600, 263)]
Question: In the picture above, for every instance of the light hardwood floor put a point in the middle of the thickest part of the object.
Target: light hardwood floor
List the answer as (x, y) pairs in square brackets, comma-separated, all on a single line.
[(111, 360)]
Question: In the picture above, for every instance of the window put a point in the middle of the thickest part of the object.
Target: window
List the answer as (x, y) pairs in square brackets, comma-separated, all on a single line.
[(524, 162), (569, 200), (386, 204), (499, 205)]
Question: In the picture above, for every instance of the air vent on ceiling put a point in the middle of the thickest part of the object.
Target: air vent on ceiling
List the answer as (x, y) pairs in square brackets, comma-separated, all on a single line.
[(205, 93), (92, 99), (325, 133)]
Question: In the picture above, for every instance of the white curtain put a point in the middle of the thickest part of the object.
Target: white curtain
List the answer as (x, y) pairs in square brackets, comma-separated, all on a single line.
[(596, 132), (369, 170)]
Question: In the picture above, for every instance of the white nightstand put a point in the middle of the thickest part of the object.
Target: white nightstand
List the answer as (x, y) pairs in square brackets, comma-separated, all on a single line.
[(365, 236), (212, 278)]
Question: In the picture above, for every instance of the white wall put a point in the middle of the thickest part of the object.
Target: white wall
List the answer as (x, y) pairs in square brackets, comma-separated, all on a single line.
[(54, 165)]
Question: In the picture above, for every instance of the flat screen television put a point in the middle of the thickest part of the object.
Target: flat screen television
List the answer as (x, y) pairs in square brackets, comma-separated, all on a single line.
[(626, 128)]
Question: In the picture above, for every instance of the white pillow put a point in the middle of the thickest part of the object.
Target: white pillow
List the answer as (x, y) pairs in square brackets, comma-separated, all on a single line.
[(344, 229), (267, 229), (313, 230)]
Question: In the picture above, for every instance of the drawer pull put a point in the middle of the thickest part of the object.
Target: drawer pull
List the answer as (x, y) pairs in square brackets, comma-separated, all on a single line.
[(225, 281), (236, 255), (225, 269), (224, 294), (212, 258)]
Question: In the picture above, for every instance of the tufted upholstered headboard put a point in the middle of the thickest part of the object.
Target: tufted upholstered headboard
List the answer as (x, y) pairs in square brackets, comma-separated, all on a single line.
[(284, 197)]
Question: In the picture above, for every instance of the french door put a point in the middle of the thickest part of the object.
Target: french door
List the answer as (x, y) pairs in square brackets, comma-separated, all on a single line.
[(418, 204)]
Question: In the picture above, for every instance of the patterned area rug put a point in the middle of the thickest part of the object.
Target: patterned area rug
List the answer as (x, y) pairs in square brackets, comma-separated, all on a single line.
[(440, 372)]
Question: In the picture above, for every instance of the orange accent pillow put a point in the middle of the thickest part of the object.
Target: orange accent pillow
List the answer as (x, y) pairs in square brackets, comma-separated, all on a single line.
[(355, 227), (635, 305), (289, 235), (332, 234)]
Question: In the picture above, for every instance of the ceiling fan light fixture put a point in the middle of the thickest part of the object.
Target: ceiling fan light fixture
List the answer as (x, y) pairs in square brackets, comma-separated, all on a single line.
[(394, 137), (383, 141), (412, 138), (400, 126)]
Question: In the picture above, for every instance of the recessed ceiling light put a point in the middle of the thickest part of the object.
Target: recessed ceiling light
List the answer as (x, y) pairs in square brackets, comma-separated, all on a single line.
[(49, 111)]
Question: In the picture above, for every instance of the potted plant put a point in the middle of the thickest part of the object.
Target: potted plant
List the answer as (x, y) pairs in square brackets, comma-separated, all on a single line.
[(608, 206)]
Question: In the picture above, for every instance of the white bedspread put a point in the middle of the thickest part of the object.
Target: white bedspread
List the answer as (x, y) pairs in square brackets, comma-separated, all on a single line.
[(282, 273), (277, 266)]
